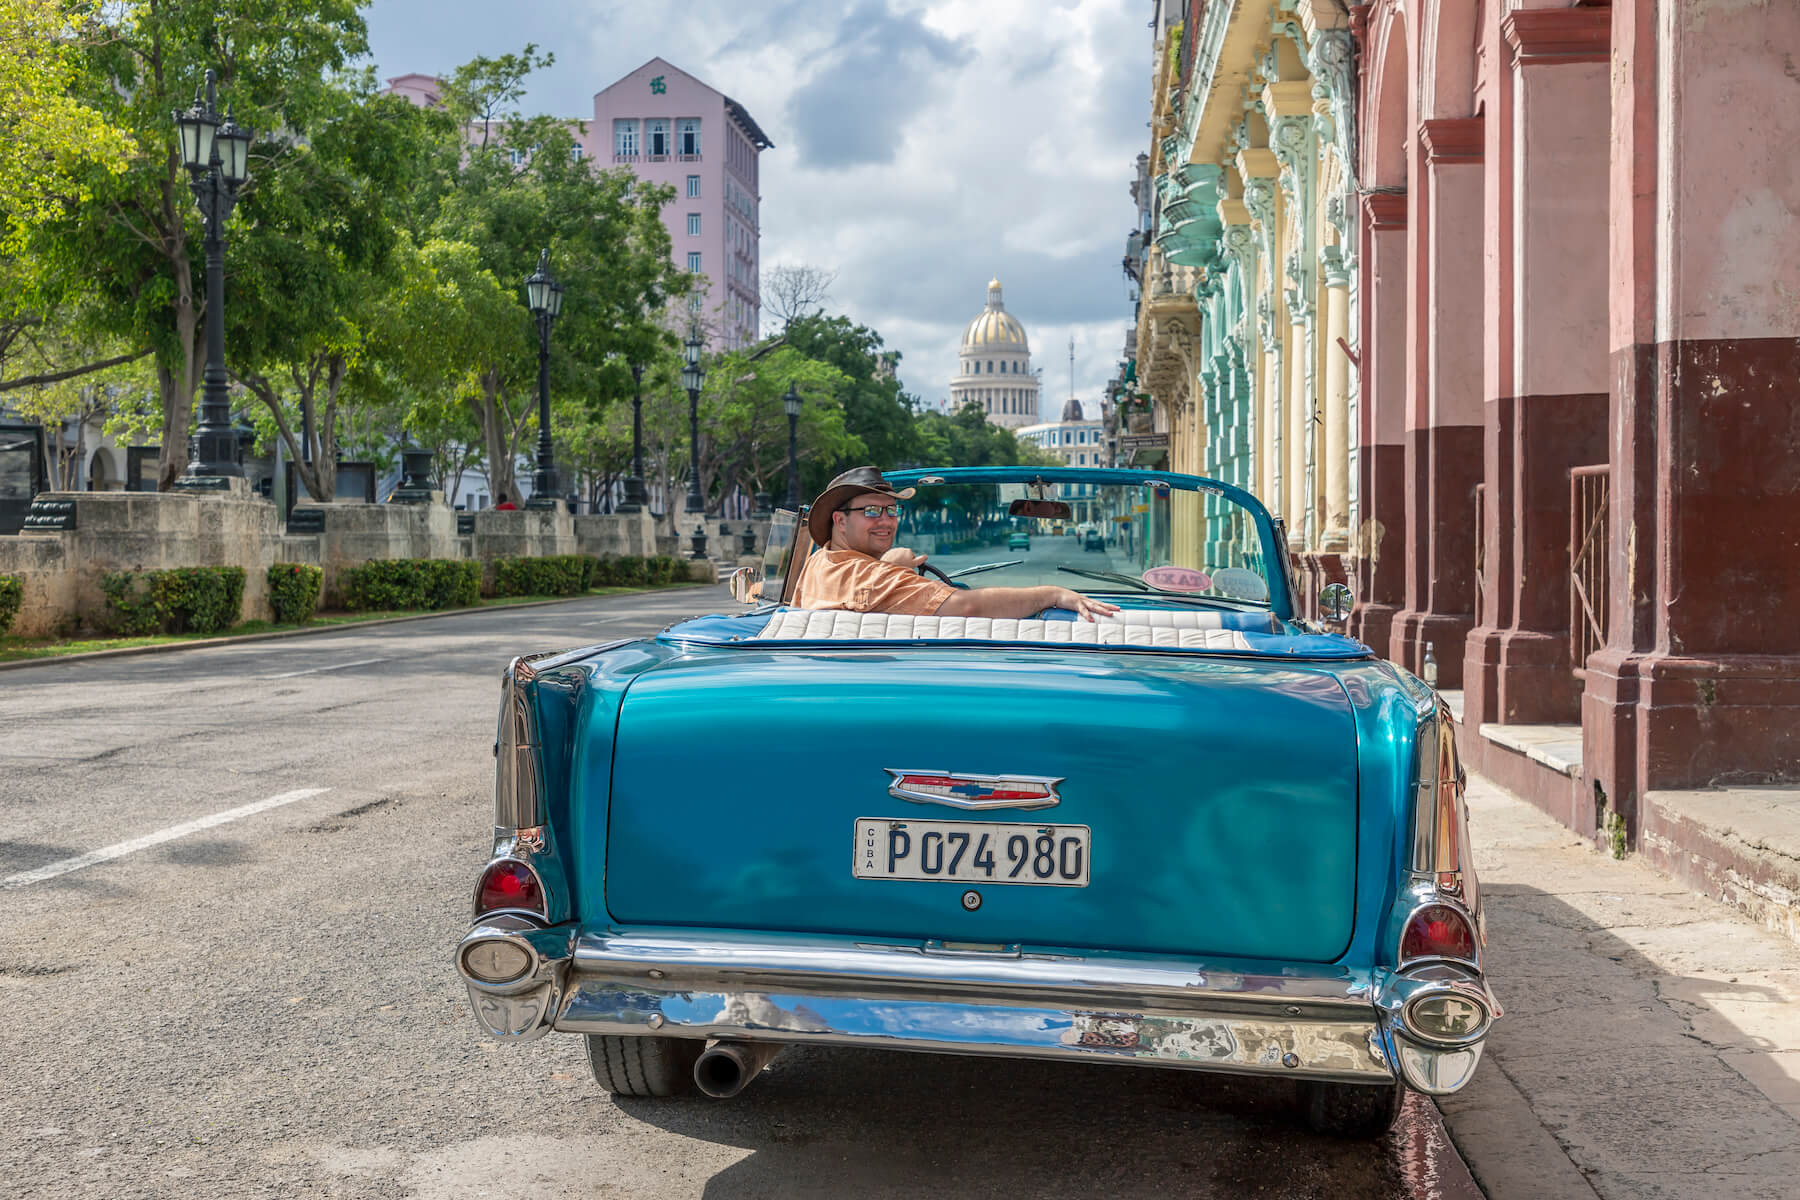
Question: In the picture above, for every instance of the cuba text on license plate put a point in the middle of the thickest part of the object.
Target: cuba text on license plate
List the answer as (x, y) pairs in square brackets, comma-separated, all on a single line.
[(971, 852)]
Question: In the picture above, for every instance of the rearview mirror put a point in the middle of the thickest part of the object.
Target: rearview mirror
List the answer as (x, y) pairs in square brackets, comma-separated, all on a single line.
[(1049, 510), (1334, 603), (746, 585)]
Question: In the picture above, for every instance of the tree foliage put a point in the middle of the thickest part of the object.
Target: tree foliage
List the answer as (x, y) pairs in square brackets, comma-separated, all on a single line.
[(323, 245), (131, 248), (52, 143)]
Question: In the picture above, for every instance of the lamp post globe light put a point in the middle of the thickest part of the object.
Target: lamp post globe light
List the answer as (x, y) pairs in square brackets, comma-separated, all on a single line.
[(543, 295), (217, 157), (693, 378), (635, 498), (792, 403)]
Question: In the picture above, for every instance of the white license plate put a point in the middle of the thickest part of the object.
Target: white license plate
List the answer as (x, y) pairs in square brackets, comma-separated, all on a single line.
[(971, 852)]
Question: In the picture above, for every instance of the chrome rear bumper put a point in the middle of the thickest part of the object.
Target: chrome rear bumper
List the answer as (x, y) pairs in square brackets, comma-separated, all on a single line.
[(1329, 1023)]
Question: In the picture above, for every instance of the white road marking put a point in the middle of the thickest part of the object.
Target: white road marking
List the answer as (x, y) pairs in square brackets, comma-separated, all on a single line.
[(120, 849), (361, 662)]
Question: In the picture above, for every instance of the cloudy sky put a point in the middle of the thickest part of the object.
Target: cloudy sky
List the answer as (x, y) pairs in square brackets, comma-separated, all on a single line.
[(921, 146)]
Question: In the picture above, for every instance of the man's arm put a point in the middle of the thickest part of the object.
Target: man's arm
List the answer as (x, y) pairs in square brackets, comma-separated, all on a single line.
[(1022, 602)]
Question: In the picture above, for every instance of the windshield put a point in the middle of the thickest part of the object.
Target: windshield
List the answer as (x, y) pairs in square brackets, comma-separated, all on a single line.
[(1139, 538)]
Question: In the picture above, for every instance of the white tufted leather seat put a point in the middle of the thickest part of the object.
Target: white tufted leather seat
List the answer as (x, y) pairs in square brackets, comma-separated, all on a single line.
[(802, 624)]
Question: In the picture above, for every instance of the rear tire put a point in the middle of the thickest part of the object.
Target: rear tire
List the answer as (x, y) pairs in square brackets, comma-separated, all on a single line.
[(643, 1066), (1351, 1110)]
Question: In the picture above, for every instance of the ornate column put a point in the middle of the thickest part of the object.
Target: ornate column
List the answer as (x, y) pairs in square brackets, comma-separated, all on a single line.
[(1336, 535), (1332, 63), (1259, 170), (1289, 106), (1238, 244)]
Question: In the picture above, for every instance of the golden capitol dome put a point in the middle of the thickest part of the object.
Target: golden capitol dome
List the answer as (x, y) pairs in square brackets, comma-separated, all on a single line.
[(995, 328)]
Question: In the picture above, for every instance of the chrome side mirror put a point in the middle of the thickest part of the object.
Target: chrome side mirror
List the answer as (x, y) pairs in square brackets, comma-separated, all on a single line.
[(746, 585), (1335, 602)]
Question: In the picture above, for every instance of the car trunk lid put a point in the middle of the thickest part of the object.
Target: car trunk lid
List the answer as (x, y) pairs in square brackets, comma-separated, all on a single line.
[(1211, 803)]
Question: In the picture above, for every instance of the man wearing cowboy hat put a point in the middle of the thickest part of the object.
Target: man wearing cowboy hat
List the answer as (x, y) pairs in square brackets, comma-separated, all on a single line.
[(858, 567)]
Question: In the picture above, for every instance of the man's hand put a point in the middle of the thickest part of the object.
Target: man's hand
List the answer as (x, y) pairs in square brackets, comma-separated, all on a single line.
[(900, 556), (1084, 606)]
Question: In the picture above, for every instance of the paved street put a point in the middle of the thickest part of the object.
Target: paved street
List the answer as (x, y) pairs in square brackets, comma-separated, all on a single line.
[(265, 1005)]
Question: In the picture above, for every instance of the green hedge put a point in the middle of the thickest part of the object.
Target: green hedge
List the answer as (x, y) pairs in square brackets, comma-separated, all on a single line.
[(632, 571), (182, 600), (294, 591), (550, 575), (12, 595), (400, 583)]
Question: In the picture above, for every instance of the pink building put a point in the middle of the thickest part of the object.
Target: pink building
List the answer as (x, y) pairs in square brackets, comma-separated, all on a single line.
[(425, 91), (671, 129)]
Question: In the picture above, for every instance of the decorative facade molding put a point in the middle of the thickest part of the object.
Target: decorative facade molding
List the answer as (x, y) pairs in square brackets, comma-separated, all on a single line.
[(1385, 210), (1555, 36), (1333, 64), (1450, 140)]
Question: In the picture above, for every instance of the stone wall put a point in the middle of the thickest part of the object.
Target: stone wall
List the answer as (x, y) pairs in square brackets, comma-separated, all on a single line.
[(149, 531)]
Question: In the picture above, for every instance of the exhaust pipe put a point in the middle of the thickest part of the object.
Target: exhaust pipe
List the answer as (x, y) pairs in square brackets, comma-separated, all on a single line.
[(726, 1068)]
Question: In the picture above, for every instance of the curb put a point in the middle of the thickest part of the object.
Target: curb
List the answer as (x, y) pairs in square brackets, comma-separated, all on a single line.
[(164, 647), (1504, 1144)]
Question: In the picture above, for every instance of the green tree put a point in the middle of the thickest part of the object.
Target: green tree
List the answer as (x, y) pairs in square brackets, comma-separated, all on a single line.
[(131, 252), (877, 413), (966, 438), (744, 444), (485, 91), (323, 246), (52, 143), (609, 249)]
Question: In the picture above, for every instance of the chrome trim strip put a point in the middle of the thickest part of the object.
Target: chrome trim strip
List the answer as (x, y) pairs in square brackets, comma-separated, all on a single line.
[(519, 799), (518, 772), (1023, 1028), (718, 960), (1335, 1022), (990, 782)]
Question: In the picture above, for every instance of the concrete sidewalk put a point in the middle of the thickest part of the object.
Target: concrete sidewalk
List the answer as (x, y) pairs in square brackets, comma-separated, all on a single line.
[(1651, 1042)]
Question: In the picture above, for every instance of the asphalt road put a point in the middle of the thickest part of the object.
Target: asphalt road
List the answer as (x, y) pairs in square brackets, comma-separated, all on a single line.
[(230, 882)]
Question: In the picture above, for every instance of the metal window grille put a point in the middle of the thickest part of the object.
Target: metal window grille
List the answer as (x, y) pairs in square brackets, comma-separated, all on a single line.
[(1589, 494)]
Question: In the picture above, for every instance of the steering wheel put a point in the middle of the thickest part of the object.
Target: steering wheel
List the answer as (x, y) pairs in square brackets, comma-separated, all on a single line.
[(928, 569)]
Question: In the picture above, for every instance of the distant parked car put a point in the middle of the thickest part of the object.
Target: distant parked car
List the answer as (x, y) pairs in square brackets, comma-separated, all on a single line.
[(1093, 541), (1018, 541)]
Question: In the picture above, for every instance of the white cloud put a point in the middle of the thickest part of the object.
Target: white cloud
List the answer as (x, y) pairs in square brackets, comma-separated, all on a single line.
[(921, 147)]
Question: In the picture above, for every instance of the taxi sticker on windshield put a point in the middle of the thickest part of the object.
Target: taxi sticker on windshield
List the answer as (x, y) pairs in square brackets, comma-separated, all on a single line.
[(1178, 579)]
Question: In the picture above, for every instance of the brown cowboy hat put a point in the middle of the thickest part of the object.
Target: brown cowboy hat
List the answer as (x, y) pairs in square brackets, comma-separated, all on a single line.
[(839, 492)]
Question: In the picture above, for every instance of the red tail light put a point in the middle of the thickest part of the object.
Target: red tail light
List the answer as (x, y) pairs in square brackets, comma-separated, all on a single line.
[(1438, 931), (508, 884)]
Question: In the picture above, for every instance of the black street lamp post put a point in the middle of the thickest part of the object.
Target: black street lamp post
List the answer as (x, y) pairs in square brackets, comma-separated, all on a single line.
[(791, 402), (543, 295), (635, 499), (217, 158), (693, 378)]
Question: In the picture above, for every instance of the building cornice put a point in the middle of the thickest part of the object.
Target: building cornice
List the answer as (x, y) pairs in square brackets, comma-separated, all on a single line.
[(1555, 36), (1385, 211), (1448, 140)]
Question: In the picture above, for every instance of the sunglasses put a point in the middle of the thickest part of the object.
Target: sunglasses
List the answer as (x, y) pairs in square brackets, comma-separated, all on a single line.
[(874, 511)]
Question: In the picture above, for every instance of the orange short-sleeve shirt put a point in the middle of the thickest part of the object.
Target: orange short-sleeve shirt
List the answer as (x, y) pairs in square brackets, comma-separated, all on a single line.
[(851, 580)]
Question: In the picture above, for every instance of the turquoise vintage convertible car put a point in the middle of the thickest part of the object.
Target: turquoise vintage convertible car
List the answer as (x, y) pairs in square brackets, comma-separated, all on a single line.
[(1202, 834)]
